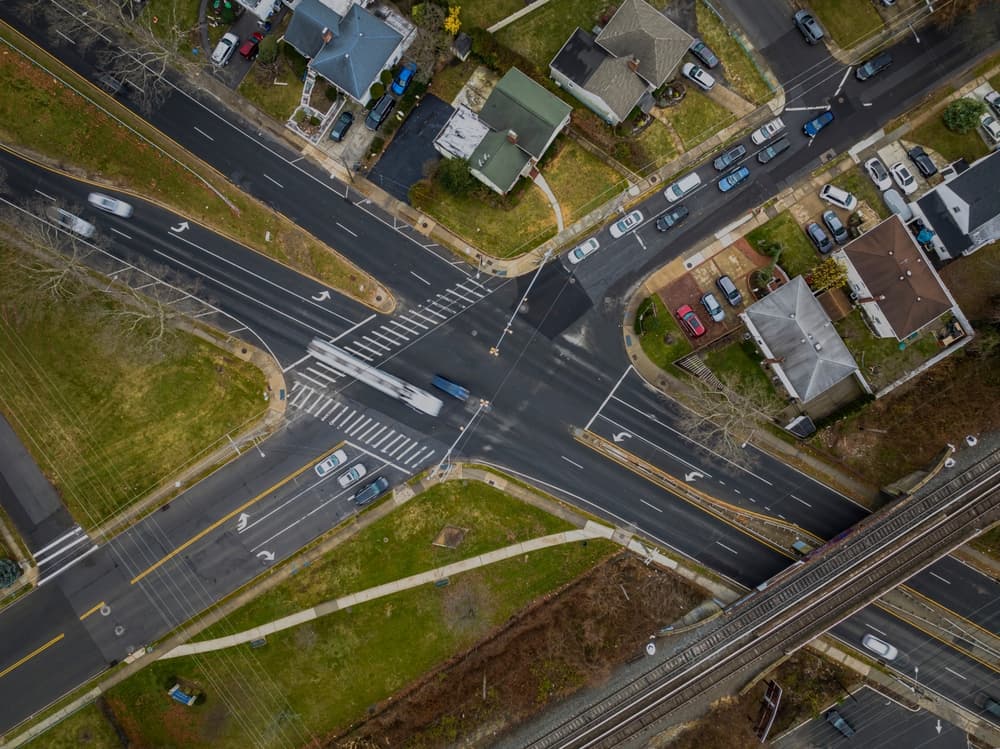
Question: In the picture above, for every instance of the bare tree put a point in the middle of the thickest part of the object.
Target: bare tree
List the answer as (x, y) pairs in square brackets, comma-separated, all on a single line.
[(946, 14), (150, 314)]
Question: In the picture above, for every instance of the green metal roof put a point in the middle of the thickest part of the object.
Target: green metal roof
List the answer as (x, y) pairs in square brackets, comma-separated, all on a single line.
[(518, 103), (498, 160)]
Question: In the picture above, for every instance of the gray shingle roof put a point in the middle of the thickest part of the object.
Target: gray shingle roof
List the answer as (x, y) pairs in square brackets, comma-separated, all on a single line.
[(589, 66), (640, 31), (980, 188), (796, 330), (305, 30)]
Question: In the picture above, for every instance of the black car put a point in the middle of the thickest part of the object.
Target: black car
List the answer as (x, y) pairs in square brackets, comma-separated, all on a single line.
[(707, 57), (670, 219), (341, 126), (873, 67), (730, 157), (775, 149), (370, 492), (922, 161), (818, 237), (380, 112)]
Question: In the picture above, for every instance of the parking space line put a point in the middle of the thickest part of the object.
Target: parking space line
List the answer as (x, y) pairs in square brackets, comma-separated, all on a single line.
[(417, 457), (427, 307), (417, 313)]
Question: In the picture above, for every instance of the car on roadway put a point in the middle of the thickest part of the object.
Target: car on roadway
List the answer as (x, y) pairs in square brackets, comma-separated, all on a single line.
[(873, 67), (836, 226), (402, 80), (726, 159), (223, 51), (370, 492), (690, 322), (729, 290), (818, 237), (251, 46), (993, 100), (452, 388), (351, 475), (671, 218), (623, 226), (991, 128), (587, 247), (70, 222), (903, 178), (775, 149), (108, 204), (880, 647), (878, 173), (838, 197), (922, 161), (836, 720), (686, 184), (808, 26), (811, 129), (712, 307), (699, 75), (732, 179), (331, 463), (706, 56), (767, 131), (339, 130)]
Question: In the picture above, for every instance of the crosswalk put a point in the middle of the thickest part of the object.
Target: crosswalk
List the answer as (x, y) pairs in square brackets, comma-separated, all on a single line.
[(375, 343), (363, 427), (59, 555)]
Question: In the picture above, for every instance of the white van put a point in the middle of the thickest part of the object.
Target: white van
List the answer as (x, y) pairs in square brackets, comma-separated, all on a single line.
[(840, 198), (686, 184)]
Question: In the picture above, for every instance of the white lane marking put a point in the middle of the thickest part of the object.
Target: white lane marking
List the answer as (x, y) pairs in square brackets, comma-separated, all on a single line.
[(434, 312), (800, 500), (605, 402), (385, 337), (407, 451), (353, 327), (414, 322), (366, 347), (571, 462), (45, 195), (358, 354), (321, 415), (392, 442), (67, 38), (415, 459), (955, 673), (76, 531), (664, 450), (373, 342), (942, 579), (876, 629), (727, 548), (425, 317), (346, 229), (390, 331), (639, 240), (842, 81), (203, 133), (649, 505), (368, 431), (267, 176), (399, 447), (309, 409), (345, 417), (420, 278), (354, 424), (65, 567), (374, 436), (121, 233), (354, 428), (375, 445), (824, 107)]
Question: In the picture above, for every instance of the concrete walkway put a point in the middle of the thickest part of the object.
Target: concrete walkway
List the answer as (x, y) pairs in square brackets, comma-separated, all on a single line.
[(539, 180)]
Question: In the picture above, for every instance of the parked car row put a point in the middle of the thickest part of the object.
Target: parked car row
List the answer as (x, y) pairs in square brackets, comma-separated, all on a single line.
[(688, 318), (366, 494)]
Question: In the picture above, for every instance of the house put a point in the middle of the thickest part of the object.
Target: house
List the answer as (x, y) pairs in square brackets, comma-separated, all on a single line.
[(616, 70), (892, 280), (799, 343), (964, 211), (350, 50), (510, 134)]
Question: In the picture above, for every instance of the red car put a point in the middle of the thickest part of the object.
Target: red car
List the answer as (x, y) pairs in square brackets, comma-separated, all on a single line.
[(690, 322), (250, 47)]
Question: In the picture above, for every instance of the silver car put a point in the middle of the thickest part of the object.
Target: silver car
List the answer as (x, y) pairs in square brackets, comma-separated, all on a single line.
[(881, 648), (712, 307), (109, 205)]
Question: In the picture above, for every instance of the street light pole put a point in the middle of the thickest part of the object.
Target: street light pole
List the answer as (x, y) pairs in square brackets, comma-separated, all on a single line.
[(483, 403), (495, 351)]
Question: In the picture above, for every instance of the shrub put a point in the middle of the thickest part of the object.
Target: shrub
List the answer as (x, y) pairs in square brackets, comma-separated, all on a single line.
[(330, 93), (962, 115), (314, 121), (377, 145), (386, 78), (454, 176), (375, 92), (297, 61), (267, 52)]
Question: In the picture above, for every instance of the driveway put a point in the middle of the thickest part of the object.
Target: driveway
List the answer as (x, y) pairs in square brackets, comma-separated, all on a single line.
[(411, 154)]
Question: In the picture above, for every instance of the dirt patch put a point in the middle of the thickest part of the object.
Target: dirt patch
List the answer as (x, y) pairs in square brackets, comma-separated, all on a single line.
[(467, 603), (450, 537), (570, 640)]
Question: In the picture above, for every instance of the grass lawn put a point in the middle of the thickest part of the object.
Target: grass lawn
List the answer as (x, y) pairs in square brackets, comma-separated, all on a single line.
[(84, 728), (798, 256), (502, 227), (308, 681), (278, 99), (485, 13), (65, 128), (580, 180), (972, 280), (995, 82), (448, 81), (989, 543), (540, 34), (660, 335), (884, 354), (697, 118), (857, 182), (655, 146), (107, 417), (738, 364), (493, 519), (847, 21), (951, 145), (741, 72)]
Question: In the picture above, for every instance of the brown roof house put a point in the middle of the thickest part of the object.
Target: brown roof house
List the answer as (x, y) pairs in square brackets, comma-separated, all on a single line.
[(894, 284), (615, 71)]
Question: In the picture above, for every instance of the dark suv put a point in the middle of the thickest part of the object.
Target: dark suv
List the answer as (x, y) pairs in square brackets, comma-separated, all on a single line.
[(922, 161), (873, 67), (370, 492), (380, 112)]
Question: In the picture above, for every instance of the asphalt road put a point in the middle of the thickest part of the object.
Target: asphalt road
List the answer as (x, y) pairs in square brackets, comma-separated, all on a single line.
[(561, 362)]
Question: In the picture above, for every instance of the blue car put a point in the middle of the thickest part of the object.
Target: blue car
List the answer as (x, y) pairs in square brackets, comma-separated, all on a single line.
[(812, 128), (403, 78), (732, 179)]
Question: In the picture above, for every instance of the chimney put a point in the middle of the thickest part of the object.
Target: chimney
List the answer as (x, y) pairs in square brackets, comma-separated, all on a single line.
[(512, 137), (327, 35), (633, 64)]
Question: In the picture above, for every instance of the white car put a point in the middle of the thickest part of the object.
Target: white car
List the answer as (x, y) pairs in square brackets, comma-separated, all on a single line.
[(111, 205), (768, 131), (223, 51), (583, 249), (698, 75), (624, 226), (993, 99), (878, 173), (838, 197), (881, 648), (904, 178), (70, 222), (331, 463), (991, 127), (352, 474)]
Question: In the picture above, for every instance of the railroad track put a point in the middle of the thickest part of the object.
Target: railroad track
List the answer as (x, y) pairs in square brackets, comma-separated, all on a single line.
[(797, 605)]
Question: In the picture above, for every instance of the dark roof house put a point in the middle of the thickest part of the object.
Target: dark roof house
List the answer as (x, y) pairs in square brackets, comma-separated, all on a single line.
[(965, 210), (635, 53), (350, 51)]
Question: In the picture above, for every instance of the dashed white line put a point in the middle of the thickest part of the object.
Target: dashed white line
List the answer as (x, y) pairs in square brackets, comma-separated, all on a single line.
[(206, 135), (727, 548), (121, 233), (942, 579), (571, 462), (800, 500), (955, 673), (275, 181), (346, 229), (876, 629), (649, 505), (420, 278)]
